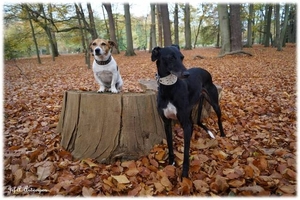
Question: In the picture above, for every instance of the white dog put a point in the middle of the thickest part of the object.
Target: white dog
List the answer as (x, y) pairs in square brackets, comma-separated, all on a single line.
[(105, 68)]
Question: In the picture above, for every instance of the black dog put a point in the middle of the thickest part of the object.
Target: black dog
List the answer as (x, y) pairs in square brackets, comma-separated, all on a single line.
[(179, 90)]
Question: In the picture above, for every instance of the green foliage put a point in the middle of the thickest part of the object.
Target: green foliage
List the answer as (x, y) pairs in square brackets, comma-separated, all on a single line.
[(17, 42)]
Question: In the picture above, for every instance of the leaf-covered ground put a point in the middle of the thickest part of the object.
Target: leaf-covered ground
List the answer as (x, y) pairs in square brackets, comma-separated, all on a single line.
[(257, 157)]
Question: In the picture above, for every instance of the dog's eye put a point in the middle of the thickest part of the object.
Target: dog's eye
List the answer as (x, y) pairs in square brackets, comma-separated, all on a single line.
[(94, 44), (103, 44)]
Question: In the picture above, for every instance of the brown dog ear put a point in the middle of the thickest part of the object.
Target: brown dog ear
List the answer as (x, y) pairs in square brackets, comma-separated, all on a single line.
[(155, 53), (112, 43)]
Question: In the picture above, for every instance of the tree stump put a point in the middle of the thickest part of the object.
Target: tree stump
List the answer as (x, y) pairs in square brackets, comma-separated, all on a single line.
[(110, 127)]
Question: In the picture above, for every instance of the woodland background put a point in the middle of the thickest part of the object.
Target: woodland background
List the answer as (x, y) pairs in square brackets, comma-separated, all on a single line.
[(256, 158)]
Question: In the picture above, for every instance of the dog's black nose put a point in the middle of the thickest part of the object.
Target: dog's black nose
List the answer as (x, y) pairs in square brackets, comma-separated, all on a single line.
[(185, 74), (97, 51)]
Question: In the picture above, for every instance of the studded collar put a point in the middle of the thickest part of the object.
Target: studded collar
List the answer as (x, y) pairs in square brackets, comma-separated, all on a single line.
[(105, 62)]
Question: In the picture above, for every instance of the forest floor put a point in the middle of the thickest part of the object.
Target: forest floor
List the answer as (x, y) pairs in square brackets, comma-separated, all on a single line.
[(256, 158)]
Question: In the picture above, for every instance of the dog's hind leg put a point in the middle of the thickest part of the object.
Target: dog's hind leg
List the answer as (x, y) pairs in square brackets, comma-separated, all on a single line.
[(199, 118), (212, 92), (169, 135)]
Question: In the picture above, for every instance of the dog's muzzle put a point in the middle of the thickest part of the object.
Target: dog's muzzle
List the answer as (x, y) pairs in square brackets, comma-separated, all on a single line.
[(98, 51)]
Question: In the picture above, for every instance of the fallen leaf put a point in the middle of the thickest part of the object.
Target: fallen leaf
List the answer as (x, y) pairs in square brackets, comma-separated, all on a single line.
[(159, 187), (186, 186), (170, 171), (87, 192), (204, 143), (121, 179), (219, 185), (44, 171), (135, 191), (201, 186), (18, 175), (253, 189), (90, 163), (132, 172), (166, 182), (237, 183), (288, 189)]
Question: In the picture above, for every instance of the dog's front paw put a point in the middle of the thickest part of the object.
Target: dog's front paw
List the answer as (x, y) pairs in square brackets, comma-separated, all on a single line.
[(101, 90), (114, 90)]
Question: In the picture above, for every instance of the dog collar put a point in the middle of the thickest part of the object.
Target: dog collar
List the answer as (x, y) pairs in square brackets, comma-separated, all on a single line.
[(103, 62), (168, 80)]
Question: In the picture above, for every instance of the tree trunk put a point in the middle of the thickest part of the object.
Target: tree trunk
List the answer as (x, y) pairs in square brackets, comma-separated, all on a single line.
[(159, 25), (112, 30), (277, 24), (268, 26), (92, 22), (235, 28), (166, 24), (33, 35), (249, 29), (129, 42), (84, 46), (45, 26), (198, 30), (110, 127), (293, 23), (176, 29), (152, 31), (283, 30), (187, 27), (224, 28)]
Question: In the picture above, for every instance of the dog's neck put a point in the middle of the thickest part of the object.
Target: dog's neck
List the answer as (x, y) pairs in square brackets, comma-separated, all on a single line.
[(171, 79), (104, 62)]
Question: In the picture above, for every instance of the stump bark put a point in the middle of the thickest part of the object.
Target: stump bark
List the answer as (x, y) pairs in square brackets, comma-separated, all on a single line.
[(109, 127)]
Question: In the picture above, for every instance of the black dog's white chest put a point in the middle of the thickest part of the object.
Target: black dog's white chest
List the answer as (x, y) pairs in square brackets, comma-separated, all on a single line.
[(170, 111)]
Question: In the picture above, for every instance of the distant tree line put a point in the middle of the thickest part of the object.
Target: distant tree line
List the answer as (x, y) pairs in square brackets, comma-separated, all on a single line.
[(53, 28)]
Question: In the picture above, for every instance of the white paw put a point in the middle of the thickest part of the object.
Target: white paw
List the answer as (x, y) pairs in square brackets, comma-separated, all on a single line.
[(114, 90), (101, 90)]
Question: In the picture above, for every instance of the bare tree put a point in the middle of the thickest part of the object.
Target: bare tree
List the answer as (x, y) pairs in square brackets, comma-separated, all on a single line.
[(176, 29), (129, 49), (187, 27), (112, 29), (33, 34), (224, 28), (166, 24), (152, 31), (283, 30), (235, 28), (84, 37), (159, 25), (92, 21), (267, 30), (249, 29)]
